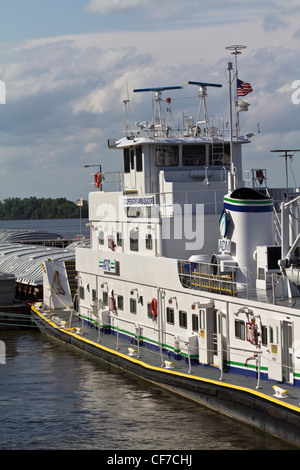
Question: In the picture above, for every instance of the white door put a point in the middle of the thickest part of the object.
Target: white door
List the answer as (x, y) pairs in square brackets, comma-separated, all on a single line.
[(288, 353), (275, 349), (206, 336)]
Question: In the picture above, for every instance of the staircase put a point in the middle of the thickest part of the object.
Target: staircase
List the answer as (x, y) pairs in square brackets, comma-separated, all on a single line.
[(71, 273)]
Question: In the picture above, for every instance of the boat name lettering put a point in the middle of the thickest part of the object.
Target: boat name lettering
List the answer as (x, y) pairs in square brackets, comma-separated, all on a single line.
[(138, 201)]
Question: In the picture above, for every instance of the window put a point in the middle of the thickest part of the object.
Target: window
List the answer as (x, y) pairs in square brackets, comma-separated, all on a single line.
[(182, 319), (139, 159), (193, 155), (105, 298), (264, 335), (94, 294), (119, 239), (167, 155), (195, 322), (101, 237), (170, 316), (149, 241), (149, 312), (134, 240), (120, 302), (81, 292), (126, 161), (226, 160), (132, 306), (273, 332), (239, 329), (133, 212)]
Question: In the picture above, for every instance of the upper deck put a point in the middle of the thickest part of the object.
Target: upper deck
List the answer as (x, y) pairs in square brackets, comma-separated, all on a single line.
[(195, 150)]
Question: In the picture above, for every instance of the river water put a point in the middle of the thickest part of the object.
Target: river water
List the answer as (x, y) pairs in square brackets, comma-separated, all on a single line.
[(52, 398)]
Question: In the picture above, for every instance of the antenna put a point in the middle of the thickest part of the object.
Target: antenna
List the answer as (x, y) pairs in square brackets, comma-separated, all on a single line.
[(157, 89), (286, 154), (157, 108), (126, 102), (202, 94)]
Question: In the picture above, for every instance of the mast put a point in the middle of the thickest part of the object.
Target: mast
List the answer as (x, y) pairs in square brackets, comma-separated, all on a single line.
[(236, 51), (231, 173), (126, 103), (202, 94)]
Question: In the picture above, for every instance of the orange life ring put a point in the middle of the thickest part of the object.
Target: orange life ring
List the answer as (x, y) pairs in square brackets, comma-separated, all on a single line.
[(154, 307), (97, 179)]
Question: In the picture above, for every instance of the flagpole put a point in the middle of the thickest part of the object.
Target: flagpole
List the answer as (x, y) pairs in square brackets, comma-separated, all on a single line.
[(230, 176), (236, 51)]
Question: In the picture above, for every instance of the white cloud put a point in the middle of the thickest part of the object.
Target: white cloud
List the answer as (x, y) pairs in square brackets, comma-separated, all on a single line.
[(64, 94), (273, 23), (107, 6)]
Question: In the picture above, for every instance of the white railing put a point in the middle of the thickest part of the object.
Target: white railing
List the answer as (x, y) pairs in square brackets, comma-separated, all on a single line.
[(112, 178)]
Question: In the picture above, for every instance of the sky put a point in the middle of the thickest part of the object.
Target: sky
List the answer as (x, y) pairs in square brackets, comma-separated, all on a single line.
[(68, 64)]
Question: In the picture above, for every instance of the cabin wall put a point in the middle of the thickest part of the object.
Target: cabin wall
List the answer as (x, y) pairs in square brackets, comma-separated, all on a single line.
[(213, 329)]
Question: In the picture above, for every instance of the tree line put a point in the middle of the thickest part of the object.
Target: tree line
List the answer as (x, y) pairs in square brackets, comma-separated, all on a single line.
[(41, 208)]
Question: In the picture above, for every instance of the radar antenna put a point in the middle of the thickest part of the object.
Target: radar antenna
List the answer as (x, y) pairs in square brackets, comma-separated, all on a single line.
[(203, 94), (157, 118)]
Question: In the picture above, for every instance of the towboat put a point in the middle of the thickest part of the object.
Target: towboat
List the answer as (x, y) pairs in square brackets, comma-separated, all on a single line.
[(191, 278)]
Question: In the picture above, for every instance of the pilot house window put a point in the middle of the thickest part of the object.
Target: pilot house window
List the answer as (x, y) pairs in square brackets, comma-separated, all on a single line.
[(193, 155), (166, 155), (126, 160), (139, 159)]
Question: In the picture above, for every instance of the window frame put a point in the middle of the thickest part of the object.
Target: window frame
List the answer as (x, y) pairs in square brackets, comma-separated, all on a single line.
[(133, 306), (240, 329), (201, 156), (167, 160), (120, 302), (170, 316), (182, 319)]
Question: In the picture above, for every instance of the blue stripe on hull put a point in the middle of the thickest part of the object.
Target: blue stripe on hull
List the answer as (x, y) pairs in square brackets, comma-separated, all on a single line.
[(242, 208)]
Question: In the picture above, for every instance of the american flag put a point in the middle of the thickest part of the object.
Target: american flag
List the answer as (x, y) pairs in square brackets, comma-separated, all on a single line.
[(243, 88)]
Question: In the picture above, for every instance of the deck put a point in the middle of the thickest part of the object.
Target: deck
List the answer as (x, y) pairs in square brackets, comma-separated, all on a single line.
[(124, 348)]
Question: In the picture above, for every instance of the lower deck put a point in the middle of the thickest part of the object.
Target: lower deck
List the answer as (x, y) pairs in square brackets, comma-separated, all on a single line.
[(70, 322), (263, 404)]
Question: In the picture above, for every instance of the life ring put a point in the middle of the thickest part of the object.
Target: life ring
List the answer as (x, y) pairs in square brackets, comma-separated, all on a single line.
[(97, 179), (154, 307)]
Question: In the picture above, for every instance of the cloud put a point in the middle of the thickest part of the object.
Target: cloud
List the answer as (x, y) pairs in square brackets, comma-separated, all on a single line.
[(155, 13), (64, 93), (107, 6), (273, 23)]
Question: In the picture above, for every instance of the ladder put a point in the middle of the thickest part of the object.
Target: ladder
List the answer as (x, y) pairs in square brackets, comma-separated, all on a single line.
[(71, 273), (216, 156)]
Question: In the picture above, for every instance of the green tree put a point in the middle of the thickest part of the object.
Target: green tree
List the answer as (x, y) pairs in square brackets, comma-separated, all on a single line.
[(41, 208)]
